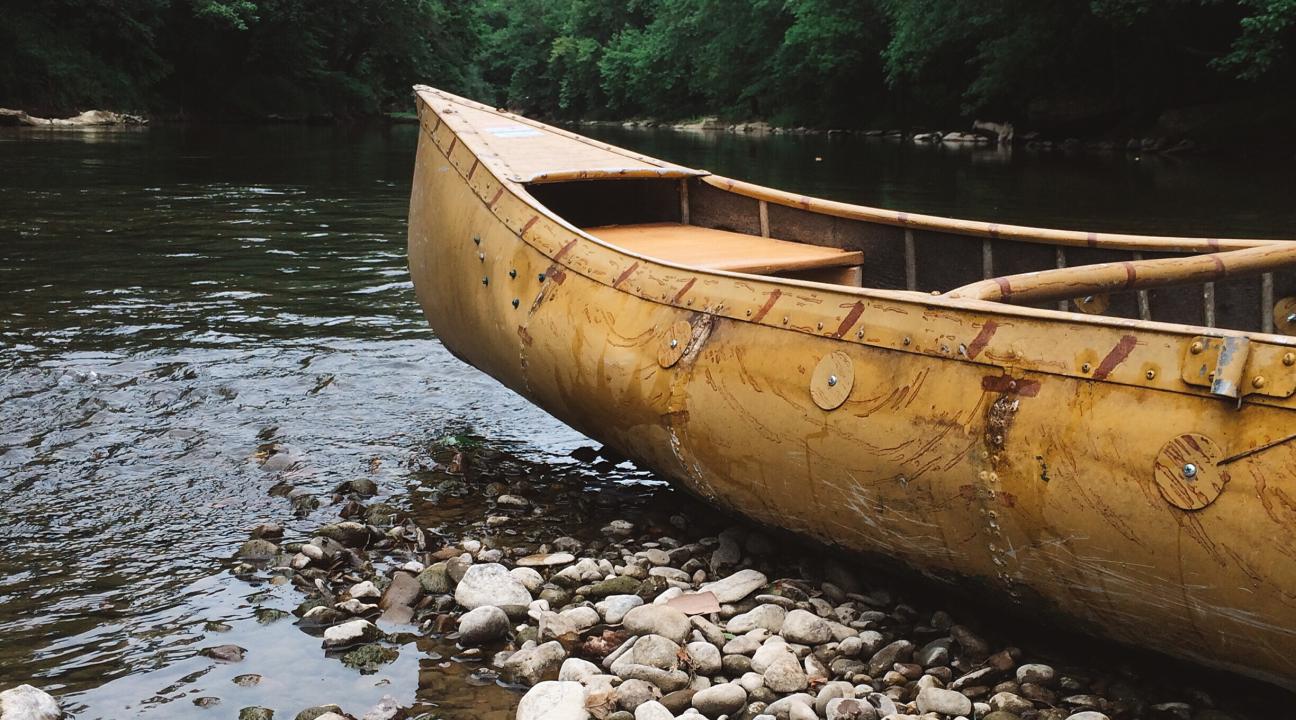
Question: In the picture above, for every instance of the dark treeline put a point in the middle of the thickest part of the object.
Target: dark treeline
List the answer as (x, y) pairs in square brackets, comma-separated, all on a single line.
[(1085, 66)]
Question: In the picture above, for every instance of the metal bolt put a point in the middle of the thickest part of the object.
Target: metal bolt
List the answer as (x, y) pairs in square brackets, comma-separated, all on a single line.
[(674, 343), (1258, 381), (1151, 374), (832, 380), (481, 256), (476, 239), (1196, 348), (907, 341), (1289, 359), (1291, 318), (819, 326), (540, 277), (485, 281), (513, 273), (1189, 471), (516, 302), (1085, 367)]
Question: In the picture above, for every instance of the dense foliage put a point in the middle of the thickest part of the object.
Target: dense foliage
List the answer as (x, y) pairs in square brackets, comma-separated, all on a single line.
[(1055, 63)]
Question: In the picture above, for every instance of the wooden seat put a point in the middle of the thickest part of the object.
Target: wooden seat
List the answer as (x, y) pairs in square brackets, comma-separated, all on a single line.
[(736, 252)]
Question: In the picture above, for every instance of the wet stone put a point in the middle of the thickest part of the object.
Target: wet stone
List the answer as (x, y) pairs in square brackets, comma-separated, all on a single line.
[(258, 549), (313, 713), (248, 680), (224, 653), (256, 713), (945, 702), (658, 620), (26, 702)]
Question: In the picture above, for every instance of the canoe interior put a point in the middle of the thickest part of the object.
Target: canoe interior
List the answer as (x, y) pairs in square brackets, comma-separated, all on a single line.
[(929, 261)]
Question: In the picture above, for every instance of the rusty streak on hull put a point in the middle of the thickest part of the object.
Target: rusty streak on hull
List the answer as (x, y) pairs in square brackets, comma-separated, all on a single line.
[(977, 439)]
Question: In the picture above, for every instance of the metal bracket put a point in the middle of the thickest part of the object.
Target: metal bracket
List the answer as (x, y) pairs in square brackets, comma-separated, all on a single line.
[(1235, 367)]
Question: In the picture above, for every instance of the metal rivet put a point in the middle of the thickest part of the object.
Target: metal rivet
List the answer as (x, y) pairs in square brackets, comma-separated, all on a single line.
[(1189, 471), (513, 273), (749, 313), (832, 381), (1289, 359), (674, 343), (485, 281), (1151, 374), (516, 302), (1196, 348), (907, 341), (1085, 367), (785, 319), (476, 239), (859, 333), (481, 256), (540, 277), (1258, 381), (819, 326)]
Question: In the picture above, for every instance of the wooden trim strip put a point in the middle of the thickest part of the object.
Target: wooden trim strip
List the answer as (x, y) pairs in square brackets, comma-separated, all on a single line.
[(975, 228), (1123, 276)]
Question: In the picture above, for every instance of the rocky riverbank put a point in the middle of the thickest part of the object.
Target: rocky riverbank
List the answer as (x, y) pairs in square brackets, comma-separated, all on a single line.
[(660, 618)]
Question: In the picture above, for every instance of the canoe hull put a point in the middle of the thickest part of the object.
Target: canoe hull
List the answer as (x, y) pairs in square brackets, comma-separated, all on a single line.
[(1043, 487)]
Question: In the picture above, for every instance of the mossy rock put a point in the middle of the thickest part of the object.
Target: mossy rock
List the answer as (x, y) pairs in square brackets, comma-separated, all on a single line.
[(368, 658)]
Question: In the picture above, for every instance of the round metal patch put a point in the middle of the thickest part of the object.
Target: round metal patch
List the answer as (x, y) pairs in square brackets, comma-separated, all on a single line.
[(1186, 472), (674, 344), (832, 380), (1285, 316)]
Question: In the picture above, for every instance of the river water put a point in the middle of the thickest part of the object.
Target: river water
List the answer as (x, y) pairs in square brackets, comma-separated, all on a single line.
[(179, 304)]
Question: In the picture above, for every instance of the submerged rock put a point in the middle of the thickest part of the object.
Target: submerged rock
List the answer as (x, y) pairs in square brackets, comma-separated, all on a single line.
[(368, 658), (482, 625), (351, 633), (256, 713), (224, 653), (314, 713)]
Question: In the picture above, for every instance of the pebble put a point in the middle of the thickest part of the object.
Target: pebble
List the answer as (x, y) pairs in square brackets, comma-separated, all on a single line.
[(801, 626), (768, 616), (723, 699), (945, 702), (613, 608), (652, 710), (657, 620), (531, 665), (785, 675), (736, 586)]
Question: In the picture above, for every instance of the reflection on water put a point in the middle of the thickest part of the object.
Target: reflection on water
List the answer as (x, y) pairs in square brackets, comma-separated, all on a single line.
[(172, 300)]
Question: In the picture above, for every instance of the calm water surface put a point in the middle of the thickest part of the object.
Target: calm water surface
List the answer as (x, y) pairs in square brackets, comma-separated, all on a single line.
[(175, 301)]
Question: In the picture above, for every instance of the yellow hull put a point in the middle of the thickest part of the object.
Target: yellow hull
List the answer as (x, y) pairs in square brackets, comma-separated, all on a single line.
[(1040, 452)]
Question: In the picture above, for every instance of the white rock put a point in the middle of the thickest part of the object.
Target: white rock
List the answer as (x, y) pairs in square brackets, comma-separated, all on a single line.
[(652, 710), (768, 616), (582, 617), (657, 620), (724, 699), (364, 589), (785, 675), (483, 624), (768, 653), (1088, 715), (704, 657), (1036, 673), (736, 586), (351, 633), (614, 607), (553, 700), (28, 703), (490, 584), (532, 664), (529, 578), (577, 670), (413, 566)]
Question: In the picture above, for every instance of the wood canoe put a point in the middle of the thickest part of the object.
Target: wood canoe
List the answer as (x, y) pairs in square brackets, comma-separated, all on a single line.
[(1091, 424)]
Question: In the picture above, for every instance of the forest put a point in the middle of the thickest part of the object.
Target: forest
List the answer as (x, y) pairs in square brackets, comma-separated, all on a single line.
[(1084, 66)]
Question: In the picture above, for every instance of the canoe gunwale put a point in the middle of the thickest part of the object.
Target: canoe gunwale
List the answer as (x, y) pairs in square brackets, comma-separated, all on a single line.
[(985, 333), (977, 228)]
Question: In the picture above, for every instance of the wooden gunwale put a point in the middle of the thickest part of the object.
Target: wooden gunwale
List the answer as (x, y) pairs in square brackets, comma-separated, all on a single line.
[(950, 326), (976, 228)]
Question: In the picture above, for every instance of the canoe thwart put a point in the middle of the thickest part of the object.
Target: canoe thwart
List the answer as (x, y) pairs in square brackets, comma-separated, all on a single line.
[(1188, 472)]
